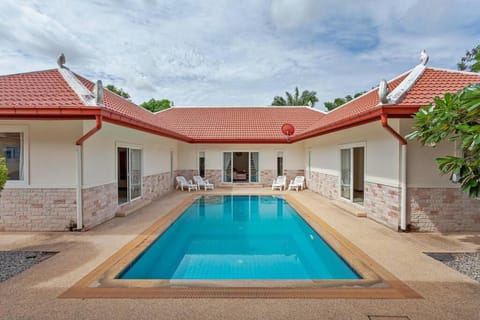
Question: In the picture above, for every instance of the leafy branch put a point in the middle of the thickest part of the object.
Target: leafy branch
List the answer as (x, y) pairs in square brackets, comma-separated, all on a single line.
[(455, 118)]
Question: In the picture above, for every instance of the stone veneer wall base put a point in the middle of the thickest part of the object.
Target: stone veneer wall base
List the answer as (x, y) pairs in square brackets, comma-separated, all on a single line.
[(324, 184), (37, 209), (443, 210), (157, 185), (100, 204), (266, 177), (382, 203), (214, 176)]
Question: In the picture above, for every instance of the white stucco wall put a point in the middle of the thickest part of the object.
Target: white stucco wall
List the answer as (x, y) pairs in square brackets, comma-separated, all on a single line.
[(188, 155), (51, 156), (49, 148), (381, 152), (422, 169), (100, 155)]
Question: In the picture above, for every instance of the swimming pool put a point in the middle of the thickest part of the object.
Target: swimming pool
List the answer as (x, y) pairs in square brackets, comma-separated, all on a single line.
[(371, 281), (237, 238)]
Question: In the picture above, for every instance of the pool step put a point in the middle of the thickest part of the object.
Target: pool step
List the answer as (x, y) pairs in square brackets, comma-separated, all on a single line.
[(129, 208), (357, 211)]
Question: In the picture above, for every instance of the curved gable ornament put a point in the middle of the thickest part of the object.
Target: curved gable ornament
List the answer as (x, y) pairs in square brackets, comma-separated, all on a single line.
[(402, 89), (61, 60), (98, 93), (383, 91), (424, 57)]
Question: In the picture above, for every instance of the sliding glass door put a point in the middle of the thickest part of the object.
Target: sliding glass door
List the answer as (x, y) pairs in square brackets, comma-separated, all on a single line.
[(254, 167), (135, 173), (129, 174), (227, 167), (240, 167), (352, 174)]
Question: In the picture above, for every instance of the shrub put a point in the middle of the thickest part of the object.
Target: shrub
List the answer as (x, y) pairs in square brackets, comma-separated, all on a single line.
[(3, 173)]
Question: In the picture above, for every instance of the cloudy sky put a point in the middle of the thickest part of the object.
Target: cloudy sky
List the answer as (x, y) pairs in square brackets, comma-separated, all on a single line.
[(235, 52)]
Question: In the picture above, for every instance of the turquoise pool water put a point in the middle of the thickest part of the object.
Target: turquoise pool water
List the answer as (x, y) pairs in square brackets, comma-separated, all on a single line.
[(239, 237)]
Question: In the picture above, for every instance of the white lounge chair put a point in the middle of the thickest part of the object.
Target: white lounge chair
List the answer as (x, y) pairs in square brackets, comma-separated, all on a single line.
[(297, 183), (280, 183), (182, 183), (200, 182)]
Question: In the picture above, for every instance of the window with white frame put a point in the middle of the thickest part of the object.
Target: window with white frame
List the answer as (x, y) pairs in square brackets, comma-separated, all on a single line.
[(11, 144)]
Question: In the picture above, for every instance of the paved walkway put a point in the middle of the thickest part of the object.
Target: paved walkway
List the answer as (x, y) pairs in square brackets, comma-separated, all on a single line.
[(33, 293)]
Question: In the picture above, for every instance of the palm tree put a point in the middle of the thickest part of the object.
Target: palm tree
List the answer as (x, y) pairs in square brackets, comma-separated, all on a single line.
[(307, 98)]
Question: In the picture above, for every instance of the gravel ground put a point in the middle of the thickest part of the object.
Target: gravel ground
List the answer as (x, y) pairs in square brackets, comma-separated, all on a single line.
[(466, 263), (13, 262)]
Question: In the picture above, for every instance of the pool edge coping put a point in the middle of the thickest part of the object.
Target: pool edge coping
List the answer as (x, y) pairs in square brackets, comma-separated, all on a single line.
[(376, 282)]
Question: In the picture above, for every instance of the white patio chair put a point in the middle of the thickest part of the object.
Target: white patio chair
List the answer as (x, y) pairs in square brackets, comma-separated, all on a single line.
[(280, 183), (182, 183), (200, 182), (297, 183)]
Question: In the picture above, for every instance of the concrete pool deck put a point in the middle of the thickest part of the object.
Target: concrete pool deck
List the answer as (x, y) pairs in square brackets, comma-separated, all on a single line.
[(34, 293)]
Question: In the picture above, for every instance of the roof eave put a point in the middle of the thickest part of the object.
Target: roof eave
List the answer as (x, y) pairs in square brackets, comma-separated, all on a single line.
[(51, 113), (394, 111), (243, 140), (87, 113), (400, 111), (126, 121)]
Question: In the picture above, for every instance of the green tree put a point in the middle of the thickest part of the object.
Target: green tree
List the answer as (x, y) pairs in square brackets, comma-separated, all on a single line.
[(156, 105), (337, 102), (307, 98), (118, 91), (456, 118), (471, 60), (3, 173)]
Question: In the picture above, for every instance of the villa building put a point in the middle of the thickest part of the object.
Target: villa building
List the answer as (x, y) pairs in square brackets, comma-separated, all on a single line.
[(80, 155)]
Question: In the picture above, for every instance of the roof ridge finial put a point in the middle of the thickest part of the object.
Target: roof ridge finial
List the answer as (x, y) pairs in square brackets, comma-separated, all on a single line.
[(61, 60), (98, 93), (424, 57), (383, 91)]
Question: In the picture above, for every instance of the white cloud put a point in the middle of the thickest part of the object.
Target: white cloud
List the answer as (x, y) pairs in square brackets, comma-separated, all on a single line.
[(294, 13), (31, 32), (235, 52)]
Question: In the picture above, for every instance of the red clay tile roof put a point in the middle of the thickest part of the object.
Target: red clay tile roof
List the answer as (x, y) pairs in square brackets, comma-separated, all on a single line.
[(356, 107), (437, 82), (47, 94), (123, 106), (37, 89), (242, 124), (433, 82), (48, 89)]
